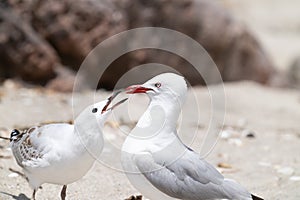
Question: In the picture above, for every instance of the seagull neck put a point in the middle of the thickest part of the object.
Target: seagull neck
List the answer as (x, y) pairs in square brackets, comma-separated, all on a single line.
[(88, 129), (170, 108), (161, 114), (156, 128)]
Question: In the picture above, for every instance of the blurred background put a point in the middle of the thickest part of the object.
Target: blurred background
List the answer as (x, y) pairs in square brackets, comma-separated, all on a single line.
[(44, 42), (255, 45)]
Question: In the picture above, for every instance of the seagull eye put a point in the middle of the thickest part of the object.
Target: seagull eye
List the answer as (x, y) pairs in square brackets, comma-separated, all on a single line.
[(157, 85), (94, 110)]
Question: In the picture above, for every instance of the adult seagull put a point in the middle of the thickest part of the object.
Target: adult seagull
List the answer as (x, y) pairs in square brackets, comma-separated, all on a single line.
[(62, 153), (155, 159)]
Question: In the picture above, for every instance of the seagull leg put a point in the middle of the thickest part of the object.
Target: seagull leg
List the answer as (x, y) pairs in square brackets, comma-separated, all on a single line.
[(63, 192), (33, 194)]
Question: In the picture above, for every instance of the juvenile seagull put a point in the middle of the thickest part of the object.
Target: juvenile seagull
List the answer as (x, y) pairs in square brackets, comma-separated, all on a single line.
[(155, 158), (62, 153)]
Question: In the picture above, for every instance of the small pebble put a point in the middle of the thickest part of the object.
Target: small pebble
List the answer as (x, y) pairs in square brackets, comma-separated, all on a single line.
[(235, 141), (264, 164), (285, 170), (225, 134), (224, 165), (228, 133), (248, 133), (13, 175), (295, 178)]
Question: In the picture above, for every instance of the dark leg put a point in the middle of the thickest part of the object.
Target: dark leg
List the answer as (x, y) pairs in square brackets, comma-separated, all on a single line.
[(63, 192), (20, 173), (33, 194)]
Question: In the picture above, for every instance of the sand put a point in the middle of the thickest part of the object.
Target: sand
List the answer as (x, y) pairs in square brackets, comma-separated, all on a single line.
[(268, 164)]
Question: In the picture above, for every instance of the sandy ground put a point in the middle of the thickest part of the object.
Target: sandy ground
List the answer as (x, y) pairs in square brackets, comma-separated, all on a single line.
[(268, 164)]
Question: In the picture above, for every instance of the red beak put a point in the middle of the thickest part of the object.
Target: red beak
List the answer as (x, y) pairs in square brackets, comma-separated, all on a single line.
[(136, 89)]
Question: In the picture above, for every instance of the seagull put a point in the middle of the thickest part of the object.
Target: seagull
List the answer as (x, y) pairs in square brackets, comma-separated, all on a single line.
[(158, 163), (62, 153)]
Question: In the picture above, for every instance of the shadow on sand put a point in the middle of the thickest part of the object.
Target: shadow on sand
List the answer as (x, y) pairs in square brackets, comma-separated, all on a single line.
[(19, 197)]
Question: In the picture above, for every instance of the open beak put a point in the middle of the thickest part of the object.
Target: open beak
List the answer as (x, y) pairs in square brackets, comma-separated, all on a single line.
[(110, 99), (137, 89)]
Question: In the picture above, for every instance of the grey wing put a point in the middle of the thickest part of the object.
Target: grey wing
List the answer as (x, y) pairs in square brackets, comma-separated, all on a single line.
[(189, 177)]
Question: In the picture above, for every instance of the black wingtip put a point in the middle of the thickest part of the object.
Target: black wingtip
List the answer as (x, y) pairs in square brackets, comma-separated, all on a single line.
[(14, 133), (256, 197)]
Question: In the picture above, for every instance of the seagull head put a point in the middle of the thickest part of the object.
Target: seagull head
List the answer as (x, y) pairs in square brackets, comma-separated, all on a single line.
[(99, 111), (104, 108), (163, 86)]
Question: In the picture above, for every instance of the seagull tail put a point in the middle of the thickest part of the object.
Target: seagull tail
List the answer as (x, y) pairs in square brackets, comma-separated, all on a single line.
[(235, 191), (256, 197)]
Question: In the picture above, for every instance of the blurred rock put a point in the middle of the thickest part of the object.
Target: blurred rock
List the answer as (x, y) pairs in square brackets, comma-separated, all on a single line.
[(74, 28), (236, 52), (37, 35), (23, 53), (21, 8)]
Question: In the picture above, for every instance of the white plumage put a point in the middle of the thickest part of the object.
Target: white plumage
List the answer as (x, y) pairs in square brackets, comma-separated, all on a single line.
[(157, 163), (62, 153)]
